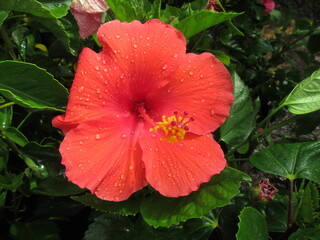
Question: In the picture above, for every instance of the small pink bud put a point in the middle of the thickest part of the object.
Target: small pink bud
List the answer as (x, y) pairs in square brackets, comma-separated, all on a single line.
[(266, 190)]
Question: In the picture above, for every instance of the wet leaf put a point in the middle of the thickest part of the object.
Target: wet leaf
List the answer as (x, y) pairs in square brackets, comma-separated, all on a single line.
[(127, 207), (252, 225), (5, 117), (290, 160), (4, 154), (11, 181), (306, 234), (309, 203), (42, 8), (202, 20), (3, 16), (30, 86), (242, 115), (16, 136), (158, 210), (305, 97), (108, 227)]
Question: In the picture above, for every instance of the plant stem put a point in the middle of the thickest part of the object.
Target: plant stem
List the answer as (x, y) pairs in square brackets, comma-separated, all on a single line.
[(7, 105), (290, 208)]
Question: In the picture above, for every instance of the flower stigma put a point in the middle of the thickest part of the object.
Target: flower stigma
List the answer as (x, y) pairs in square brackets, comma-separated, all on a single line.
[(174, 127)]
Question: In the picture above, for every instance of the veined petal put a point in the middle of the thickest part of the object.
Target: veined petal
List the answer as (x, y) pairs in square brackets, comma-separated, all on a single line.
[(99, 88), (201, 86), (88, 23), (149, 52), (178, 169), (104, 157), (90, 6)]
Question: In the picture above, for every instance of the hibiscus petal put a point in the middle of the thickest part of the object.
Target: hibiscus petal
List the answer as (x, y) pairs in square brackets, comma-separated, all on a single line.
[(178, 169), (99, 88), (201, 86), (149, 52), (90, 6), (88, 23), (104, 157)]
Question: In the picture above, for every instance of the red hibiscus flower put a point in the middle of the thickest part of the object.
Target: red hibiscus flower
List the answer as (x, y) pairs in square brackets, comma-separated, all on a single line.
[(88, 15), (142, 112)]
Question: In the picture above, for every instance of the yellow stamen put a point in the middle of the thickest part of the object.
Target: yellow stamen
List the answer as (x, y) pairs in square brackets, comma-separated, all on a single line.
[(173, 128)]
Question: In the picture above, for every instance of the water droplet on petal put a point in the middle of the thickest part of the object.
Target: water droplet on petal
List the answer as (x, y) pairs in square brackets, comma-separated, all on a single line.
[(98, 136), (165, 67), (123, 136), (135, 45), (181, 80), (80, 142), (130, 167), (118, 36), (81, 89), (175, 55), (190, 73), (98, 58), (97, 68), (153, 135), (212, 112), (98, 90)]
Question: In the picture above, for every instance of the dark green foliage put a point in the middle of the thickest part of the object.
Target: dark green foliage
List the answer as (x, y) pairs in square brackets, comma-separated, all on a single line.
[(272, 131)]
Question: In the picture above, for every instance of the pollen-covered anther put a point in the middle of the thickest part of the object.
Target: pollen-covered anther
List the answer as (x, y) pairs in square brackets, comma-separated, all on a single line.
[(174, 128)]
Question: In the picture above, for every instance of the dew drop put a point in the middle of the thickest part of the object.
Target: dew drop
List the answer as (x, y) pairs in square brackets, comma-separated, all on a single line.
[(121, 176), (181, 80), (130, 167), (175, 55), (153, 135), (105, 69), (212, 112), (81, 89), (169, 175), (120, 191), (127, 57), (122, 76), (98, 58), (115, 184), (97, 68), (144, 53), (106, 82), (118, 36), (98, 136), (165, 67), (202, 100), (201, 76), (104, 103), (80, 142), (98, 90), (135, 45), (87, 99), (190, 73), (123, 136)]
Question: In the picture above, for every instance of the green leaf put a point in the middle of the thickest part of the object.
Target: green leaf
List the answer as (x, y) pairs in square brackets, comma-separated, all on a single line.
[(202, 20), (16, 136), (127, 11), (39, 229), (158, 210), (11, 181), (45, 162), (30, 86), (49, 9), (290, 160), (305, 97), (260, 47), (276, 215), (3, 16), (309, 203), (5, 116), (252, 225), (242, 115), (58, 8), (4, 154), (127, 207), (108, 227), (64, 31), (306, 234), (3, 197)]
